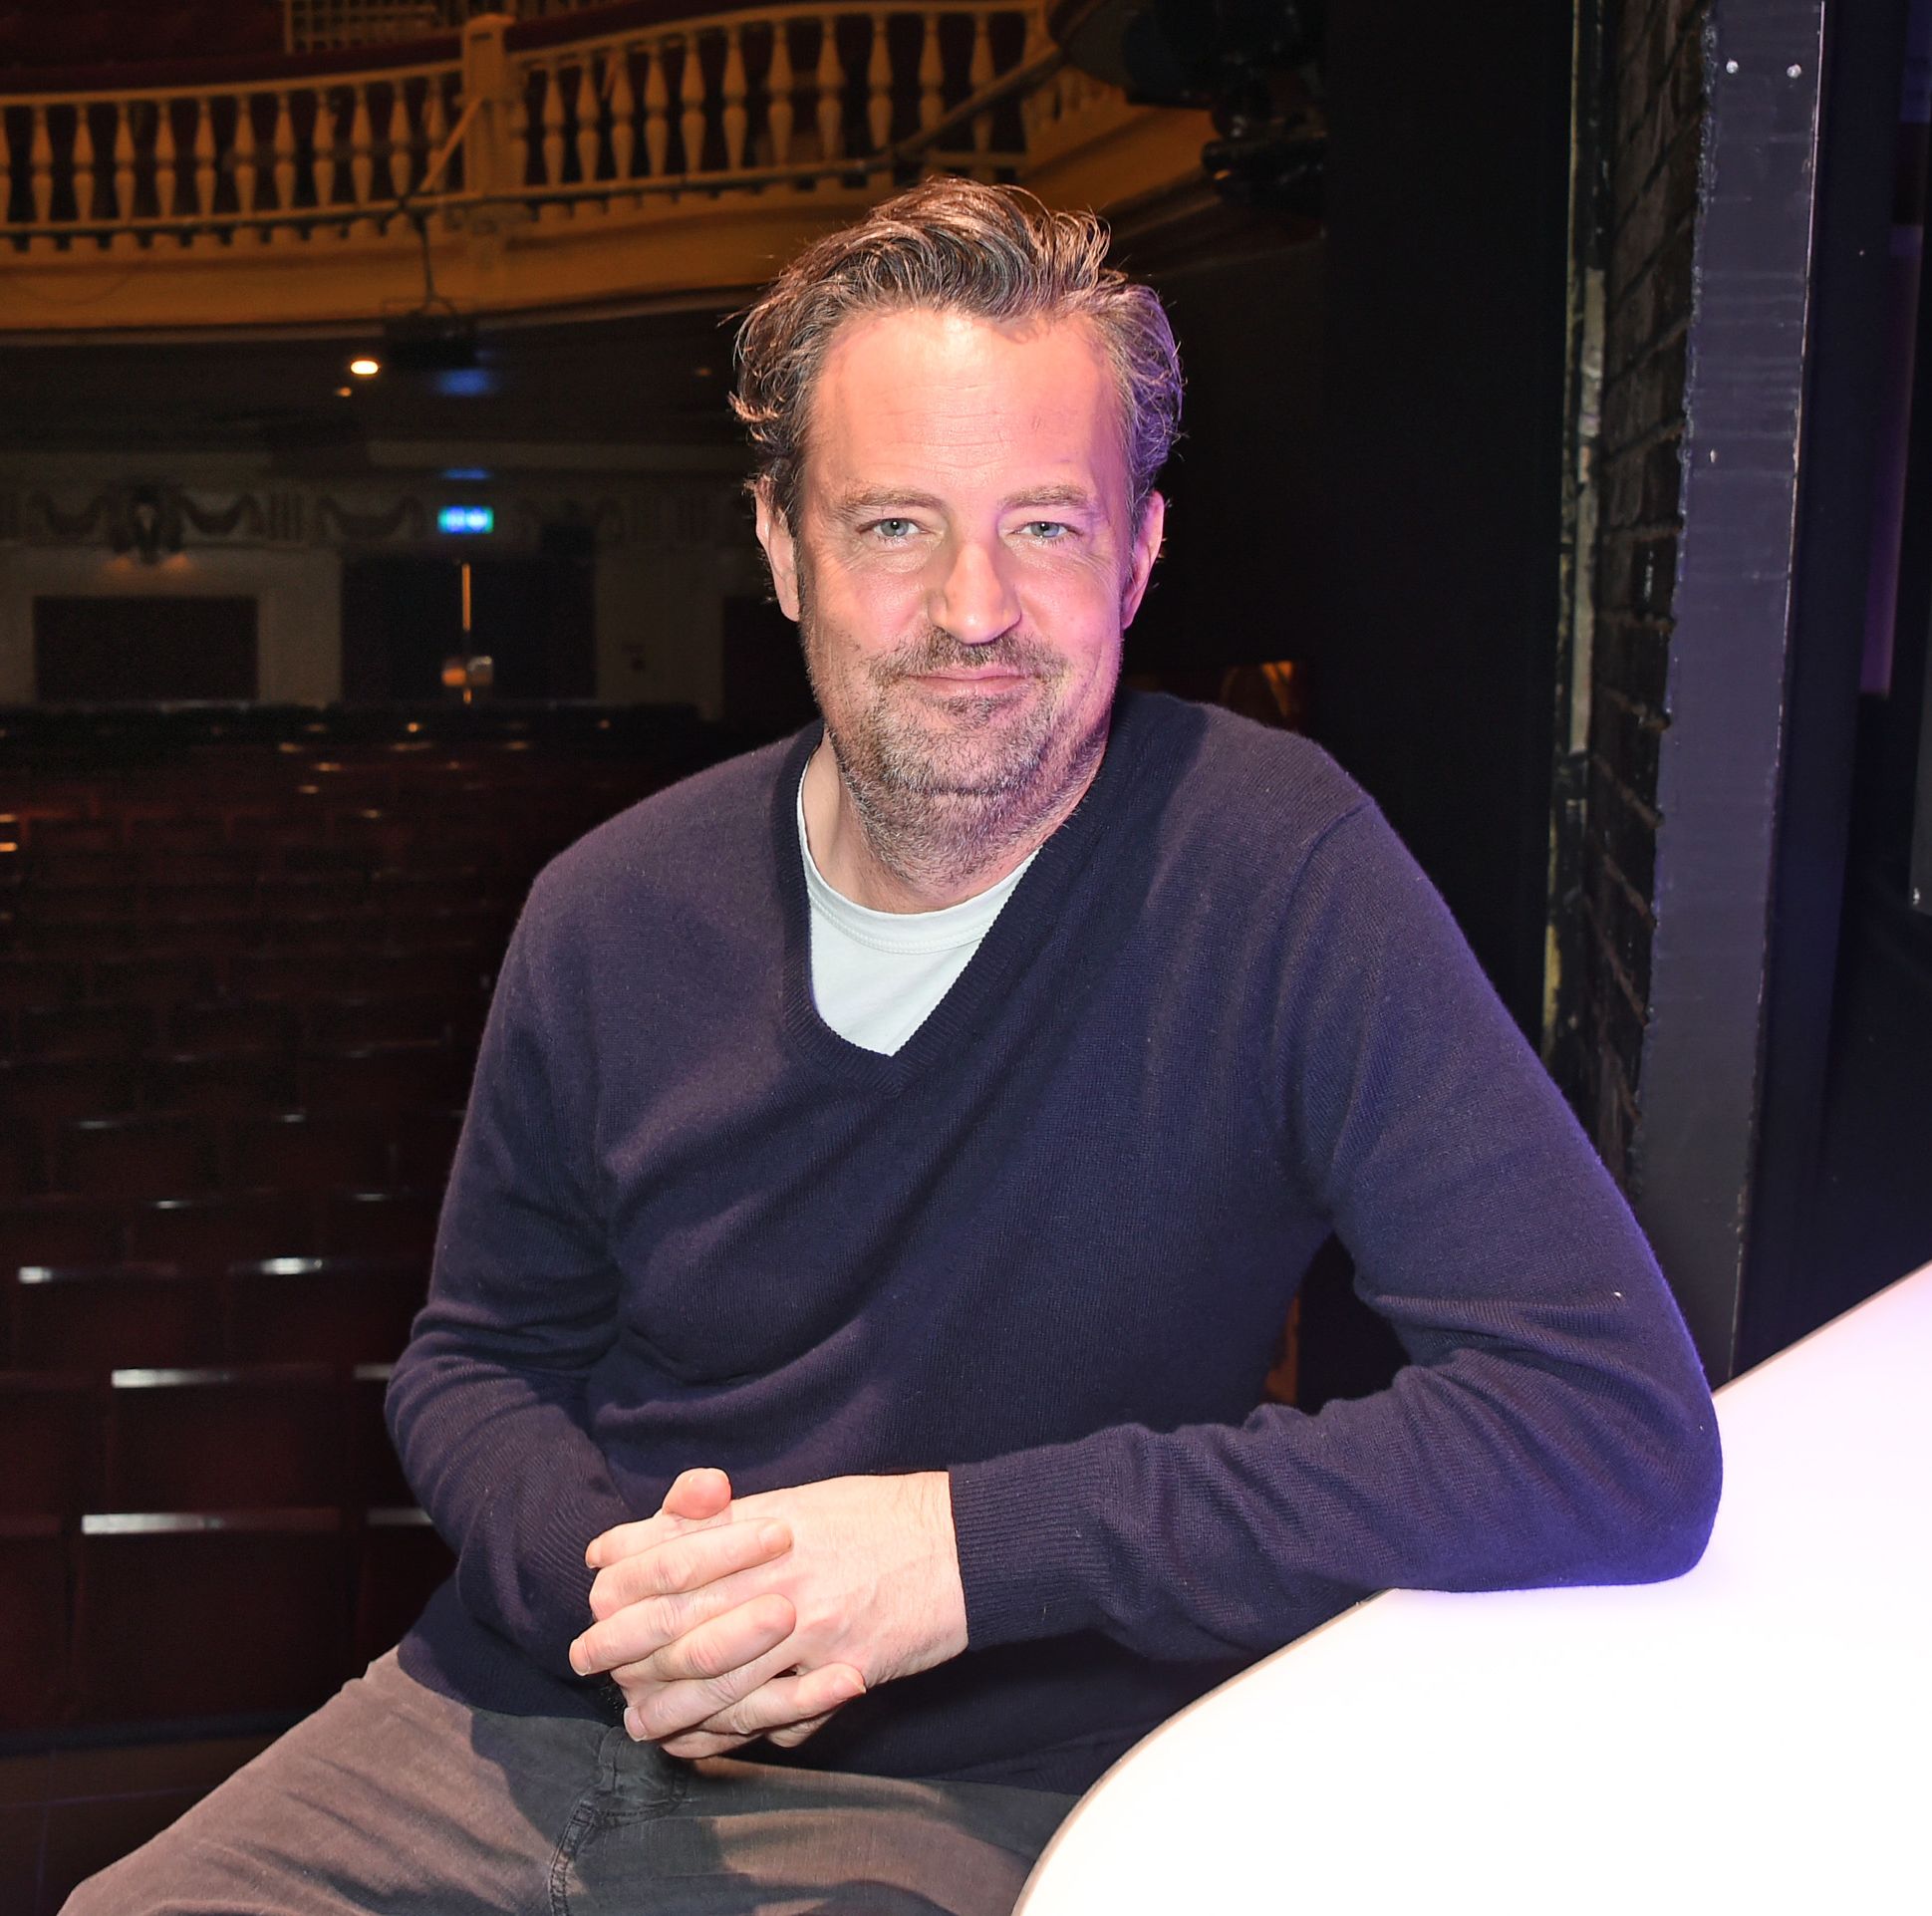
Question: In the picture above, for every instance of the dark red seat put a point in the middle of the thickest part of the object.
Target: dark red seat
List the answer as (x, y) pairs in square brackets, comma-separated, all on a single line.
[(207, 1615), (175, 833), (337, 1024), (334, 1310), (400, 1561), (85, 938), (226, 1085), (160, 1156), (50, 1439), (172, 905), (376, 1479), (308, 1151), (29, 982), (314, 970), (208, 1234), (46, 904), (400, 1075), (426, 1146), (96, 1318), (450, 970), (155, 978), (34, 1641), (313, 895), (173, 868), (212, 935), (86, 1030), (56, 1230), (52, 830), (231, 1025), (56, 867), (381, 1224), (50, 1091), (229, 1438)]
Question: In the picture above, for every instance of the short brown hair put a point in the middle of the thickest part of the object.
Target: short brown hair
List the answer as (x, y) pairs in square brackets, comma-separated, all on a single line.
[(953, 245)]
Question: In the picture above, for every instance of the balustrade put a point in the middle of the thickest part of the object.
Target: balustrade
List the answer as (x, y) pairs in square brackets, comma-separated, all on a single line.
[(747, 101)]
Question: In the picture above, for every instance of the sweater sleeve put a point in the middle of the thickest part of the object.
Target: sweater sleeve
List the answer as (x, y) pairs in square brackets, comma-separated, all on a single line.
[(487, 1401), (1552, 1424)]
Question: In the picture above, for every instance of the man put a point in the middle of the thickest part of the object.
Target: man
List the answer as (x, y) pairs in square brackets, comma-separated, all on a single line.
[(890, 1158)]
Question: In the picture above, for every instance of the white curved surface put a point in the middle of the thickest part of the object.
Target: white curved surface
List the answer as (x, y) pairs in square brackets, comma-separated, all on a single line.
[(1755, 1736)]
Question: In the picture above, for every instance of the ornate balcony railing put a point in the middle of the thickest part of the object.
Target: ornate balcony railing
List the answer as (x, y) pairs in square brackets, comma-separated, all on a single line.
[(783, 97), (692, 150)]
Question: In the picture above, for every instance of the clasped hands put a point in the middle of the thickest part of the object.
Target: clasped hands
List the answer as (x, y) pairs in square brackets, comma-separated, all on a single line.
[(724, 1619)]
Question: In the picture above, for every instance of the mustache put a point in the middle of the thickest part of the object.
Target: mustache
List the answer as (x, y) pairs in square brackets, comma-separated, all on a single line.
[(940, 650)]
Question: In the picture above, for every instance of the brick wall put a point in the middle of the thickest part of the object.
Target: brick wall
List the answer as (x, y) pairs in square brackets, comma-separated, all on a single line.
[(1652, 145)]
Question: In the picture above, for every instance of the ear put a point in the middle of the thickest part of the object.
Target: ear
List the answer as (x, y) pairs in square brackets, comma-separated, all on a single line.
[(1147, 548), (781, 554)]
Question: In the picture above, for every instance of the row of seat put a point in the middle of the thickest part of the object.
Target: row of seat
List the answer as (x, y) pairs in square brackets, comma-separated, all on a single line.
[(98, 1319), (207, 1233), (197, 1438), (63, 928), (104, 1094), (53, 1024), (202, 1516), (310, 836), (322, 965), (122, 885), (129, 1617)]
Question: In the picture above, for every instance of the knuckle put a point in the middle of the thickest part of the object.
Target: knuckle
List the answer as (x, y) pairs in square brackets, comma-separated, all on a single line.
[(708, 1657)]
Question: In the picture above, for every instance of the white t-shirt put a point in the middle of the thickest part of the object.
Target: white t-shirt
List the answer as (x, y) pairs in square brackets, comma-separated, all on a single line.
[(876, 976)]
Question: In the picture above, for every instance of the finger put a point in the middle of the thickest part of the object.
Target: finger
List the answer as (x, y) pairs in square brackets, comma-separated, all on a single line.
[(662, 1710), (628, 1539), (639, 1630), (686, 1563), (791, 1735), (697, 1495), (714, 1648), (785, 1711), (693, 1745), (790, 1708)]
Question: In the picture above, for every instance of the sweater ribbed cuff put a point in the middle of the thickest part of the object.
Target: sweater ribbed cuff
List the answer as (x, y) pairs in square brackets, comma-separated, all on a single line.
[(552, 1580), (1031, 1553)]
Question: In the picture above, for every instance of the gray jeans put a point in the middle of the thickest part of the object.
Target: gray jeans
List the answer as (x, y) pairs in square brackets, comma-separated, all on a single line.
[(392, 1798)]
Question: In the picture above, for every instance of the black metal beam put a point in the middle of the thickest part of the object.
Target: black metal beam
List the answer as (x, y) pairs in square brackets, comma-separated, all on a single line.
[(1721, 755), (1851, 279)]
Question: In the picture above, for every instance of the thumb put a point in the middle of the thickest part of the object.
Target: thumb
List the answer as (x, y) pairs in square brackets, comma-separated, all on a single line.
[(697, 1495)]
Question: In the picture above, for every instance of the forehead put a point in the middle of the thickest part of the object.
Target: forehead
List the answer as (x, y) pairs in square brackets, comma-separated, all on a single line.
[(924, 397)]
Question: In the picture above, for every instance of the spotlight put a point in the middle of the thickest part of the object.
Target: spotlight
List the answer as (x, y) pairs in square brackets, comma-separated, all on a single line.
[(1256, 65), (364, 367)]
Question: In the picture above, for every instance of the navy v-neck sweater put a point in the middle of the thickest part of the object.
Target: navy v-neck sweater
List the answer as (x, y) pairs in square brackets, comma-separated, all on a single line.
[(1047, 1245)]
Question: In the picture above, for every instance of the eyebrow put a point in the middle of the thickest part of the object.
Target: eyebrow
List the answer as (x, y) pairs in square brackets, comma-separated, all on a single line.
[(884, 498)]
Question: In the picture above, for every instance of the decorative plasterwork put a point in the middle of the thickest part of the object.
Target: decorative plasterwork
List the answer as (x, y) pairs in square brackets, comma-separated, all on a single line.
[(152, 518)]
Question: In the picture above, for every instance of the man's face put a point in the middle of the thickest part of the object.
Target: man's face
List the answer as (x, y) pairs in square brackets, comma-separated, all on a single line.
[(964, 562)]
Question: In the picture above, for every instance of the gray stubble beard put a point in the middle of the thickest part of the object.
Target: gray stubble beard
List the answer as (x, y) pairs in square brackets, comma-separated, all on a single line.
[(932, 825)]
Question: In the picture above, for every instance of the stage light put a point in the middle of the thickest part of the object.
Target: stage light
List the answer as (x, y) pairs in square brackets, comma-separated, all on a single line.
[(364, 367)]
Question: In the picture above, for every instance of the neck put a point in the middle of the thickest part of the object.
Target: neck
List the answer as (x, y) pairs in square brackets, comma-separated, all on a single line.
[(925, 853)]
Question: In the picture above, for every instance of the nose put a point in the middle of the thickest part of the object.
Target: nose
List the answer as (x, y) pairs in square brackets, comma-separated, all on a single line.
[(972, 597)]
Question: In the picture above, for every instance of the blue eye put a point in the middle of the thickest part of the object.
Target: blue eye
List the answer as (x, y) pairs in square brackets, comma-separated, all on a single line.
[(893, 530), (1048, 531)]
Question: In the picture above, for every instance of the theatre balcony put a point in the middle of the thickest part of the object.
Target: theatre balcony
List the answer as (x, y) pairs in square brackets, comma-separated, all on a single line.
[(573, 158)]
